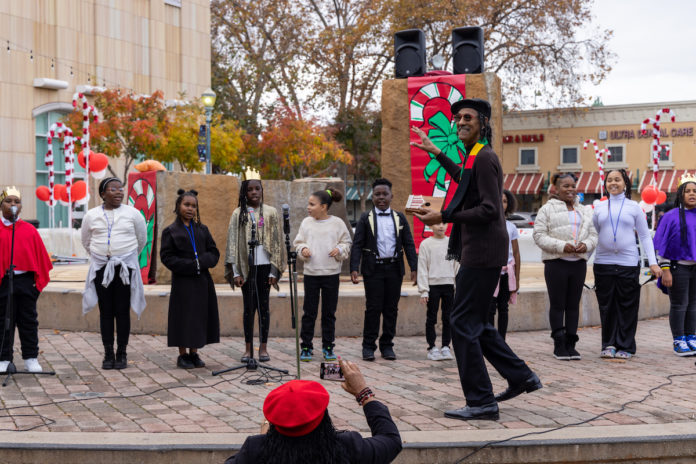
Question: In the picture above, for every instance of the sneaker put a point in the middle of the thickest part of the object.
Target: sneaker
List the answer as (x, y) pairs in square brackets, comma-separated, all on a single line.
[(623, 355), (691, 341), (4, 365), (329, 354), (434, 354), (608, 352), (681, 348), (306, 355), (32, 365), (446, 353)]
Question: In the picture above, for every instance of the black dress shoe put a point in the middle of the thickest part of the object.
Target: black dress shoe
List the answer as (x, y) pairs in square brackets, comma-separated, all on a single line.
[(368, 354), (388, 353), (531, 384), (484, 412), (196, 360), (184, 362)]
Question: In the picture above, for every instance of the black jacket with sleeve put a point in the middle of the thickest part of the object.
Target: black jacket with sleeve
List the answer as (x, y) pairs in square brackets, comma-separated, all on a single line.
[(365, 243), (381, 448)]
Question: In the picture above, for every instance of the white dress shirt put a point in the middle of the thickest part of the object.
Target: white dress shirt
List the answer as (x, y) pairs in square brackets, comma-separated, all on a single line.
[(128, 231), (386, 234)]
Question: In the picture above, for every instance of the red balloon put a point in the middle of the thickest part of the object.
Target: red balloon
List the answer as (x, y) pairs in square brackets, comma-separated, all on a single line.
[(79, 190), (98, 162), (603, 199), (42, 193), (81, 158), (661, 197), (649, 194)]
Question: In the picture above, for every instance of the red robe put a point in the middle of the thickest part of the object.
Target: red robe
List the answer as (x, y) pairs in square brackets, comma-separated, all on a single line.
[(29, 253)]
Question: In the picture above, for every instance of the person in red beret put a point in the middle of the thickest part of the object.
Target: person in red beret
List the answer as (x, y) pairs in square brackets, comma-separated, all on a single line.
[(298, 428)]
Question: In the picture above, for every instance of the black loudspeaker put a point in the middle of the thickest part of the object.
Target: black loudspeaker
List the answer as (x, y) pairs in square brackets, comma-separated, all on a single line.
[(409, 53), (467, 50)]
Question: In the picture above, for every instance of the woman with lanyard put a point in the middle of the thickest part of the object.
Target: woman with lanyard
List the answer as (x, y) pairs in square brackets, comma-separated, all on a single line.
[(564, 232), (617, 265), (113, 235), (189, 251)]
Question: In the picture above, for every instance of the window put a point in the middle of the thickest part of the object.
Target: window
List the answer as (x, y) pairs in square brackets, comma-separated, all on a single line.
[(664, 154), (43, 122), (618, 156), (176, 3), (528, 160)]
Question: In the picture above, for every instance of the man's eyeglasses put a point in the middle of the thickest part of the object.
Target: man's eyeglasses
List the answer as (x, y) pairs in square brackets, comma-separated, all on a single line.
[(466, 117)]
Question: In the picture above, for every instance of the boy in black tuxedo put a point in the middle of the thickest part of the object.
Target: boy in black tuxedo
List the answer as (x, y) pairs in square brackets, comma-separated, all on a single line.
[(381, 238)]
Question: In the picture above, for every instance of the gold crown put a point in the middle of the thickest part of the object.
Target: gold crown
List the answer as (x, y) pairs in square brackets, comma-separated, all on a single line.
[(252, 174), (10, 191), (686, 177)]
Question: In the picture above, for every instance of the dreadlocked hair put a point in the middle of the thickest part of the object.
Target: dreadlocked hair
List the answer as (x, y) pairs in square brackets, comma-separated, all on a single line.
[(624, 176), (486, 131), (328, 197), (243, 206), (187, 193), (319, 445), (679, 203)]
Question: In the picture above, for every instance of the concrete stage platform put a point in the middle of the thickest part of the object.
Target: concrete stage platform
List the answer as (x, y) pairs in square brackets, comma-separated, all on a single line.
[(60, 306), (153, 412)]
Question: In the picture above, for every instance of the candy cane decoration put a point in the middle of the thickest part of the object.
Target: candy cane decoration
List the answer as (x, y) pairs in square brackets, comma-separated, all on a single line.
[(60, 130), (598, 156), (84, 141), (655, 146)]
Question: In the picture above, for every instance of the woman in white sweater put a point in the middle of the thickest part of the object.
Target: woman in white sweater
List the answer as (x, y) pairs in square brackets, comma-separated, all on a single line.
[(322, 243), (563, 230)]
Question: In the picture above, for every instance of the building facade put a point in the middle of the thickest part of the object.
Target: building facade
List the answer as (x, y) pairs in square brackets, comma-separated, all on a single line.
[(53, 48), (540, 143)]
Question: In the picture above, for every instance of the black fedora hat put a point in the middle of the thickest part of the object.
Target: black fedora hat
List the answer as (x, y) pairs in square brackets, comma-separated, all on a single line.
[(482, 106)]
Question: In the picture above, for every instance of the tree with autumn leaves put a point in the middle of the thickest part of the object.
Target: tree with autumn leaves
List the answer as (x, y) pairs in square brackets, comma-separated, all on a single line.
[(140, 126)]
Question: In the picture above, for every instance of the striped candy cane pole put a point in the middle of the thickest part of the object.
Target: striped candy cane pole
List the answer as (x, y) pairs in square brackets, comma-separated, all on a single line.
[(655, 146), (598, 156), (84, 140)]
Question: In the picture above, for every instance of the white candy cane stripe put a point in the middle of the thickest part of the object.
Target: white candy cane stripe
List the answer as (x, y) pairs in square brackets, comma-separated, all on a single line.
[(62, 131), (665, 111), (598, 156)]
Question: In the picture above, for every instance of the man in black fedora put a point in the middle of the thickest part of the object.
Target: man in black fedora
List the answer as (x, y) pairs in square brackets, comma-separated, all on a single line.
[(479, 241)]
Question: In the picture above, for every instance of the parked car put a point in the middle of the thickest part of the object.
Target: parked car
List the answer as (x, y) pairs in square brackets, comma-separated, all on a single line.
[(522, 220)]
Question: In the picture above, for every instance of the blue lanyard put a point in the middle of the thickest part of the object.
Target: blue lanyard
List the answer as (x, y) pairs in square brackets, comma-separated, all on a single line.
[(615, 229), (193, 243), (109, 226)]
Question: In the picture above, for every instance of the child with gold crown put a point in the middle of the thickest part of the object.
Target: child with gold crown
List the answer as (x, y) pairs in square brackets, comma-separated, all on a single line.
[(31, 265), (675, 244)]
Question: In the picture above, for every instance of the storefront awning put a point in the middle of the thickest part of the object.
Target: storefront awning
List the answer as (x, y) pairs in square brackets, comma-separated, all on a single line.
[(523, 184), (589, 182), (353, 195), (666, 180)]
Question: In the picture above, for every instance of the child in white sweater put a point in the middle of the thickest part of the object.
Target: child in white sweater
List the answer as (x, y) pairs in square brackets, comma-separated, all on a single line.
[(436, 283), (322, 243)]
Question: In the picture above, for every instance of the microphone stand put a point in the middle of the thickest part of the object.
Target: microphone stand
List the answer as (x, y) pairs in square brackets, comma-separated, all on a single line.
[(292, 276), (252, 364), (9, 313)]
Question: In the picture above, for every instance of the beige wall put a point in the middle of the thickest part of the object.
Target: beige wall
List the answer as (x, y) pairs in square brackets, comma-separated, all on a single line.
[(143, 45), (570, 128)]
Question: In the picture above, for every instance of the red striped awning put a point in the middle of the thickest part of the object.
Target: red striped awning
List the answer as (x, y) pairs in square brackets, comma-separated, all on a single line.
[(589, 182), (523, 184), (666, 180)]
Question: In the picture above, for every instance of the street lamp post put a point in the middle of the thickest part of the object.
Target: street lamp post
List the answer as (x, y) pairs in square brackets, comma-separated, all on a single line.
[(208, 99)]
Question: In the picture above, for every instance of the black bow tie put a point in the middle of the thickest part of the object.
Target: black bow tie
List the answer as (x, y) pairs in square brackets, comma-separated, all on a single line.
[(383, 214)]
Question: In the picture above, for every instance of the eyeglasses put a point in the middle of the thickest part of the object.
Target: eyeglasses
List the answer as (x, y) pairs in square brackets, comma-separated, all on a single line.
[(466, 117)]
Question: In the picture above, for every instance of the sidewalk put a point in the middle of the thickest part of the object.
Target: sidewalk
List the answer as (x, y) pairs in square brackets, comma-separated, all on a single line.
[(417, 391)]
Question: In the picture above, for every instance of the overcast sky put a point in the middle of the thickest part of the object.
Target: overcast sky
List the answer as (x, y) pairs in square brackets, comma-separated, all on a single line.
[(655, 44)]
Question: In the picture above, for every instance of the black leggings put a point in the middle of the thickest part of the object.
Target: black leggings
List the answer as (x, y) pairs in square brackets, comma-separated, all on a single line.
[(328, 286), (114, 302), (256, 296), (564, 280)]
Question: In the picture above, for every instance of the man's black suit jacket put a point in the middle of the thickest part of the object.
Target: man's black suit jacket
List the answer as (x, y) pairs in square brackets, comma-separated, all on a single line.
[(365, 243)]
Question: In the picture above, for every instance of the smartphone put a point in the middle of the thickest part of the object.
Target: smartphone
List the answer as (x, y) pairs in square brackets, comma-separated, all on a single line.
[(331, 371)]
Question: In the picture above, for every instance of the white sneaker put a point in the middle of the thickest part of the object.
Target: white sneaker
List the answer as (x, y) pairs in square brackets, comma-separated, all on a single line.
[(446, 353), (32, 365), (4, 365), (434, 354)]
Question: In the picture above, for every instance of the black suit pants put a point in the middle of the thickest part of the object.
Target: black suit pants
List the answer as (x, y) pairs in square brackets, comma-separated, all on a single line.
[(382, 294), (24, 315), (474, 337), (618, 297)]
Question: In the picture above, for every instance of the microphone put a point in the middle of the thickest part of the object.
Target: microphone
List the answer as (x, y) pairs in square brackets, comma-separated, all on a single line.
[(286, 218), (250, 210), (13, 208)]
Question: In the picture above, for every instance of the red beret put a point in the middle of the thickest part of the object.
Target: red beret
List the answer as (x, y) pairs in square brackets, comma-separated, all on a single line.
[(296, 407)]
